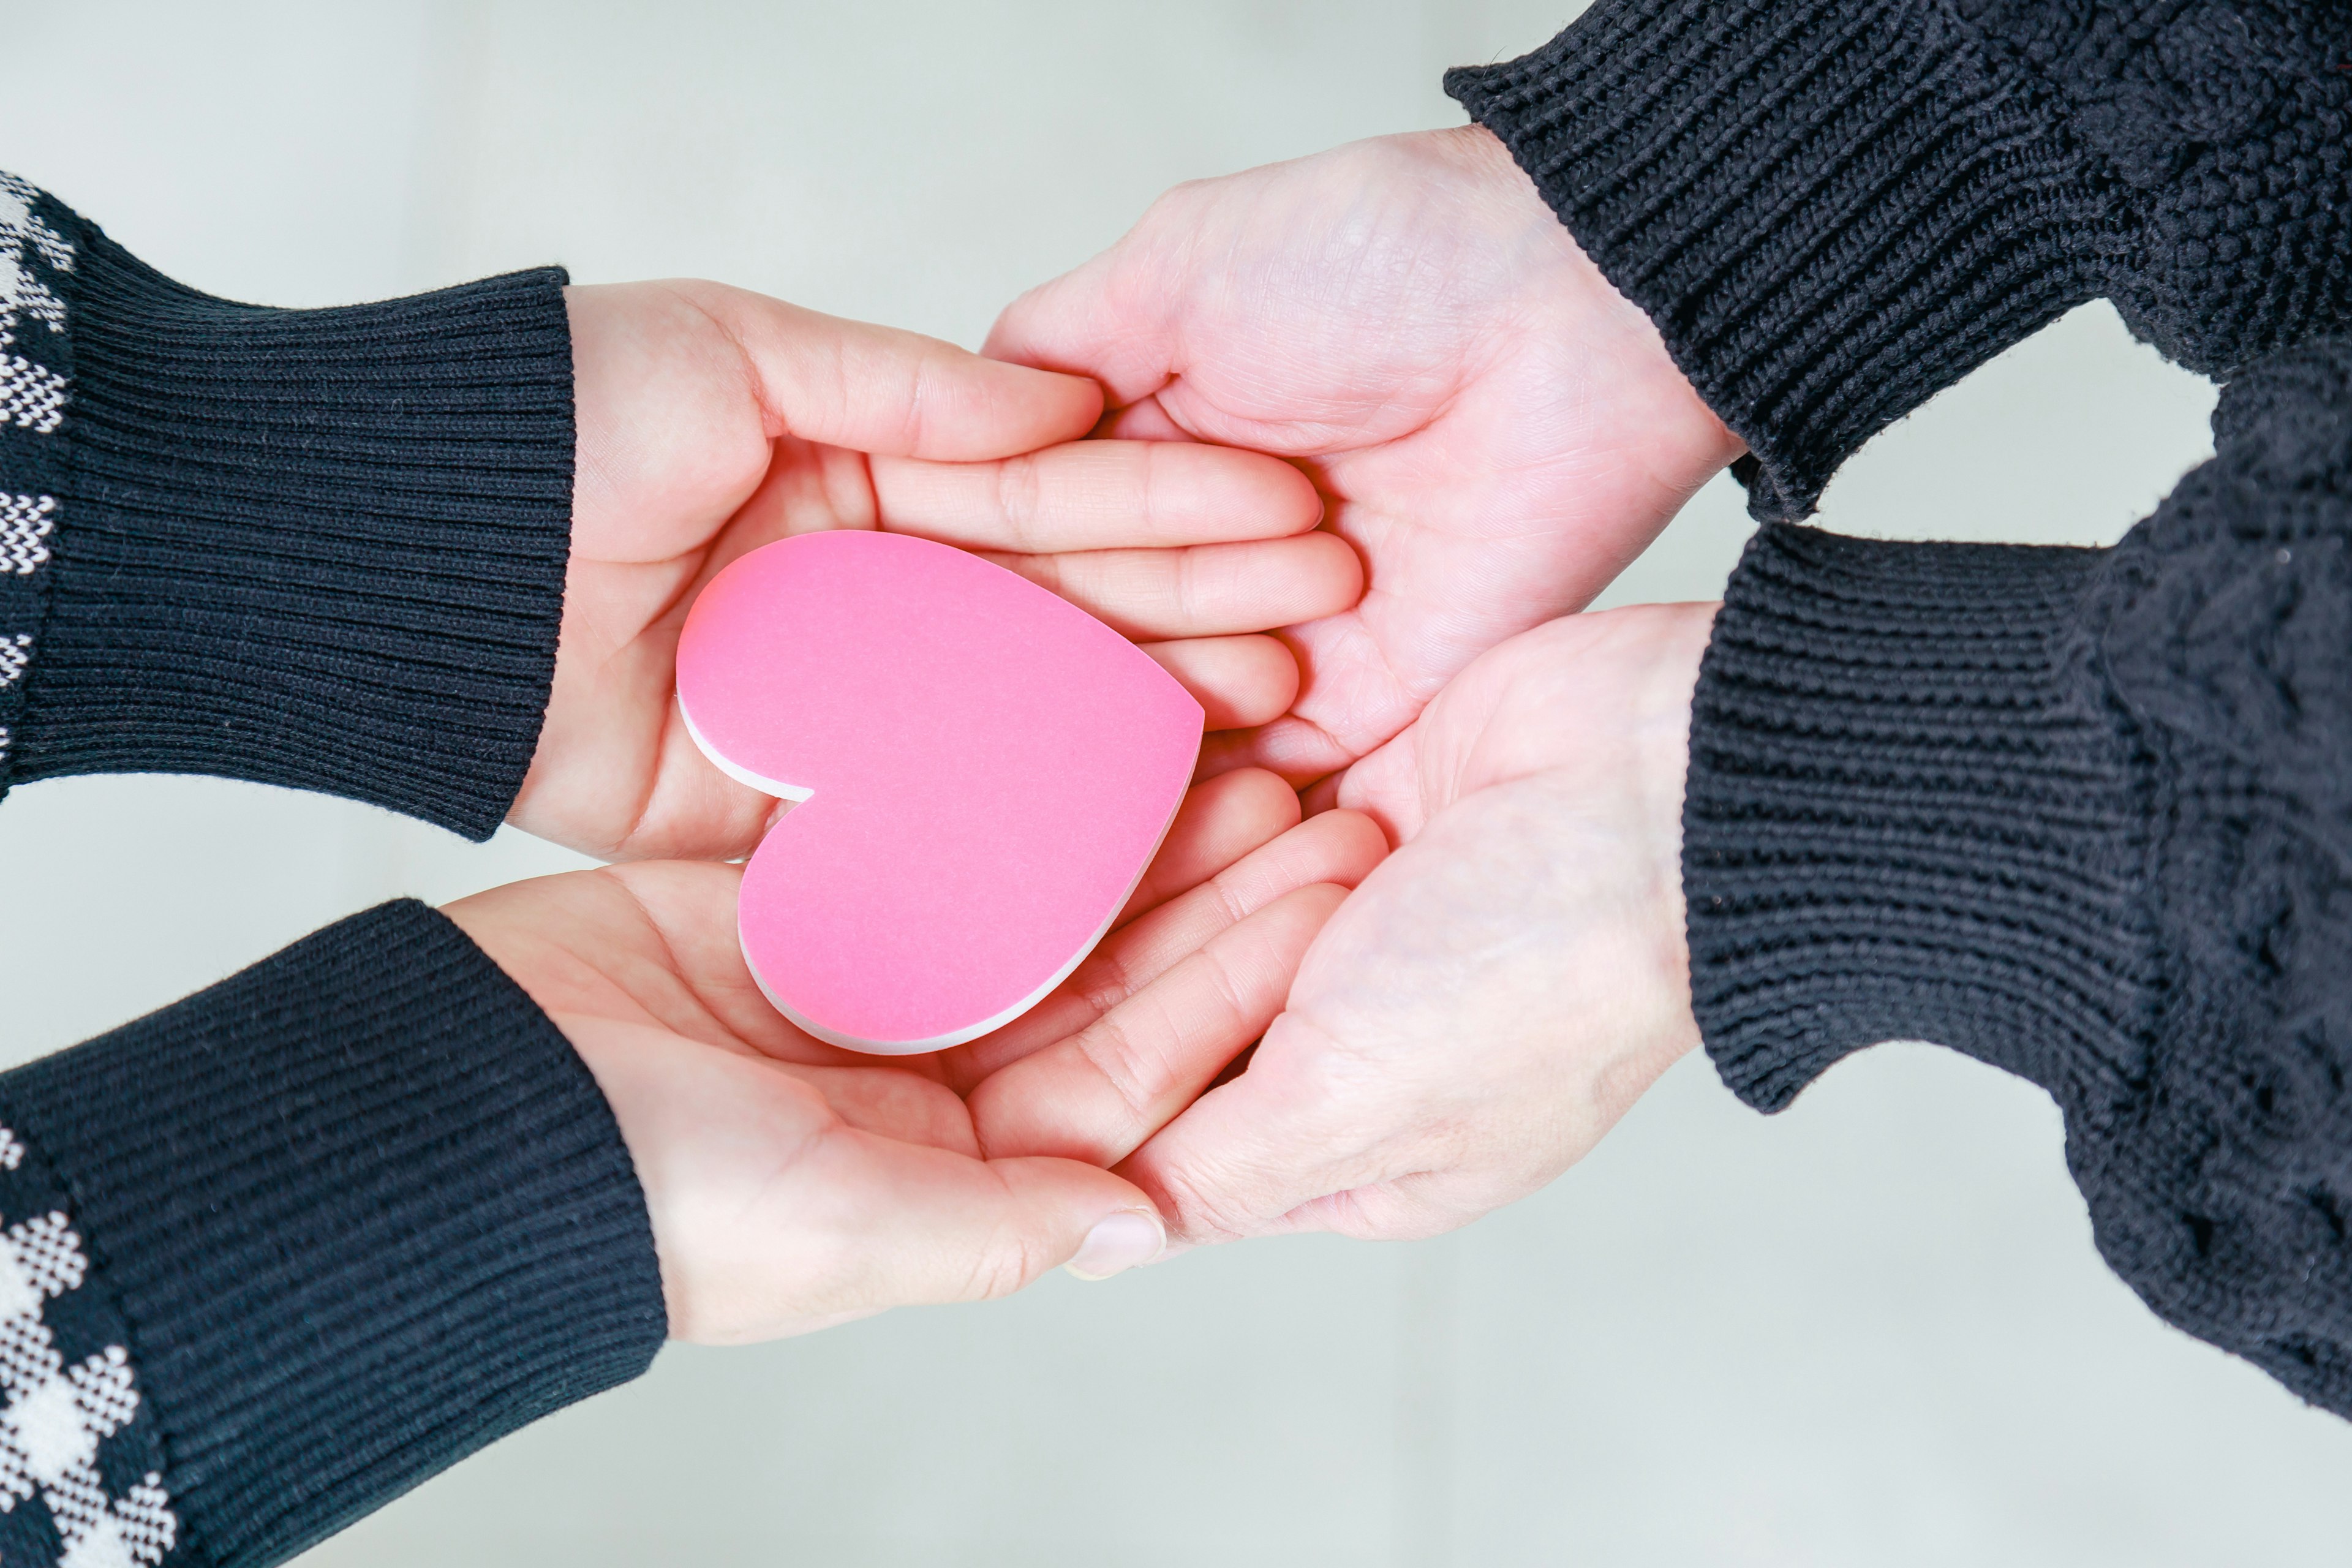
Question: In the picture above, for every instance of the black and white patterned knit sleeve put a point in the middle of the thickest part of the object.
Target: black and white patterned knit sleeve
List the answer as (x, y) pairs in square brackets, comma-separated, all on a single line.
[(36, 365), (275, 1255), (321, 549), (1834, 209), (272, 1256), (2085, 814)]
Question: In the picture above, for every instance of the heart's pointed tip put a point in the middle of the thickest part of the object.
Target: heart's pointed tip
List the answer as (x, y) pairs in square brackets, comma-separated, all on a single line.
[(993, 770)]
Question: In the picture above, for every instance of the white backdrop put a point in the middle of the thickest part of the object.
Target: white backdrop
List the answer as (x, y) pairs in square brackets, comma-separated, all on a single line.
[(1869, 1331)]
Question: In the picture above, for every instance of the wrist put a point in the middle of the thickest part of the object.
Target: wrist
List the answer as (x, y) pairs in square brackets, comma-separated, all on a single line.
[(357, 1201), (318, 549), (1668, 684), (1689, 441), (1911, 815), (1704, 154)]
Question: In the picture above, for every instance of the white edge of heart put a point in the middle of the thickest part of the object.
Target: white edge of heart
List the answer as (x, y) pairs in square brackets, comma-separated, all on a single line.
[(741, 775), (972, 1032), (906, 1047)]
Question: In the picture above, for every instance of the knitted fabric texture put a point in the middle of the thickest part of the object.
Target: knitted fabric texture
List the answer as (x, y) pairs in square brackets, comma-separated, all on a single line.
[(1833, 209), (348, 1216), (321, 549), (81, 1454), (37, 275), (2085, 815)]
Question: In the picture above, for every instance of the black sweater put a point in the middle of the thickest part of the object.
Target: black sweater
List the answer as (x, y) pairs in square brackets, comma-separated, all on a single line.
[(277, 1253), (271, 1256), (2084, 815)]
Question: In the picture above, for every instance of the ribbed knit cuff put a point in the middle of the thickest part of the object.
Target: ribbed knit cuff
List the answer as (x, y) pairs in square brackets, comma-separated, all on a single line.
[(322, 549), (363, 1211), (1910, 815), (1831, 210)]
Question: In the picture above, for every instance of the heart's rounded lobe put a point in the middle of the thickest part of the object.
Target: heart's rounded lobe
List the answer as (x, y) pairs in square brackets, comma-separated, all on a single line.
[(983, 772)]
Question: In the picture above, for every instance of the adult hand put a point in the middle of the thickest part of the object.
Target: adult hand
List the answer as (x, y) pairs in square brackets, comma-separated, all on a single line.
[(793, 1185), (1493, 427), (712, 421), (1492, 998)]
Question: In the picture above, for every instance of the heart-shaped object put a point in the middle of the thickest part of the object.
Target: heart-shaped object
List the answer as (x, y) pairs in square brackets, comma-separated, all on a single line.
[(980, 769)]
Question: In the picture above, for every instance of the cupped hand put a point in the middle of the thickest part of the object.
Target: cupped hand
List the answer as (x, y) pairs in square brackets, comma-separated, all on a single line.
[(1497, 994), (712, 421), (1495, 429), (793, 1185)]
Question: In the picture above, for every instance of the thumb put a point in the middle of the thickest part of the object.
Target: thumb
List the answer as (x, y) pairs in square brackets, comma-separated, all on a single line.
[(1103, 321), (772, 1216), (937, 1226), (897, 393)]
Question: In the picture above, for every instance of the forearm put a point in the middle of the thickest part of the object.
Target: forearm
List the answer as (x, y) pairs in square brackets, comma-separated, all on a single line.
[(2083, 815), (321, 549), (1835, 208), (294, 1244)]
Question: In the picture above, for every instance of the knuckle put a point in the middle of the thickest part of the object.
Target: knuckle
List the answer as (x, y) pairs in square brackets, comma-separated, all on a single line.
[(1007, 1264), (1151, 457), (1118, 1060), (1197, 1211), (1020, 501), (1104, 982)]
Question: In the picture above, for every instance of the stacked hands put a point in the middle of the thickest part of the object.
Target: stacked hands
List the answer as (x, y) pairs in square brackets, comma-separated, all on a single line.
[(1342, 443)]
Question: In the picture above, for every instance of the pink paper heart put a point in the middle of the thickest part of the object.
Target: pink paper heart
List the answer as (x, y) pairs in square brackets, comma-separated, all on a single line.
[(983, 772)]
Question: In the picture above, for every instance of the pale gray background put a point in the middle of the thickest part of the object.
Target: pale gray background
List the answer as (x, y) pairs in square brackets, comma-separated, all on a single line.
[(1871, 1332)]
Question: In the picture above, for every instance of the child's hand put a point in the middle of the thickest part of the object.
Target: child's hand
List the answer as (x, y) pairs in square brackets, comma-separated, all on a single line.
[(712, 421), (793, 1185)]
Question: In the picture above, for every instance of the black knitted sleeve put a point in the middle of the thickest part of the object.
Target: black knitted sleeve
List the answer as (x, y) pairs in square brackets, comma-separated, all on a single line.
[(2085, 815), (321, 549), (275, 1255), (1835, 208)]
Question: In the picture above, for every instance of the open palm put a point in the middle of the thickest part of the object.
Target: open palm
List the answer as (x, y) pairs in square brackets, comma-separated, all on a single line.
[(1493, 427), (712, 421), (1493, 996), (793, 1185)]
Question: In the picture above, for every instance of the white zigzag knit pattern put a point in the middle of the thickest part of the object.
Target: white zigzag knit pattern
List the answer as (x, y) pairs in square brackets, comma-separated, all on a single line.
[(57, 1415), (19, 292), (31, 398), (26, 522)]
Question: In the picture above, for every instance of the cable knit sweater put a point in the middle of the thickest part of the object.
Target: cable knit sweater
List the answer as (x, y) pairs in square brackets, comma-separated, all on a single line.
[(2084, 815), (1835, 208), (275, 1254)]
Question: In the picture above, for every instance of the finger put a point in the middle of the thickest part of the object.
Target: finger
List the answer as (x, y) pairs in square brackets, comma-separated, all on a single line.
[(1105, 320), (1298, 749), (1323, 795), (914, 1225), (772, 1216), (1340, 848), (1098, 495), (879, 389), (1205, 590), (1100, 1093), (1240, 1160), (1220, 823), (1387, 786), (1238, 681), (1144, 421)]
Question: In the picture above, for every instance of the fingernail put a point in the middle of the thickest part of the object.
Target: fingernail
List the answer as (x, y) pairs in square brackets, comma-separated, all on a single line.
[(1118, 1243)]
